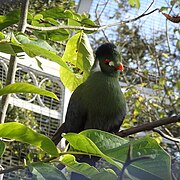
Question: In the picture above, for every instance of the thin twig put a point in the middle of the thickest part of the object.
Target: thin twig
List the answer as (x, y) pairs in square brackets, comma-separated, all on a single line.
[(149, 7), (176, 140), (98, 17)]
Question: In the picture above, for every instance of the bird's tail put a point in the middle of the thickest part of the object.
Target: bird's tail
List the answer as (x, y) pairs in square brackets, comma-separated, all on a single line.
[(56, 138)]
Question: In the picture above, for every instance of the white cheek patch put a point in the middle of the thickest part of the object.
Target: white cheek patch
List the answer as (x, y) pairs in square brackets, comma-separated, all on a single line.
[(111, 63)]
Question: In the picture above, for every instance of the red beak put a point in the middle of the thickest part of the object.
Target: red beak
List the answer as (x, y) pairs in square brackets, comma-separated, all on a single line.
[(120, 67)]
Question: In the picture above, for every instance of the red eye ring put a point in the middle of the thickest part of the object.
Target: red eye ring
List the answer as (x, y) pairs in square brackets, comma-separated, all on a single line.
[(107, 60)]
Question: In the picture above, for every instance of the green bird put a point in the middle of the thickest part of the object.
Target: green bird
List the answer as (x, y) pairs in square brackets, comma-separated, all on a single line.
[(98, 103)]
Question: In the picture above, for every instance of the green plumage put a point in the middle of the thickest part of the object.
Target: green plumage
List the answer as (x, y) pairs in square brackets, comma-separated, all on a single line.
[(98, 103)]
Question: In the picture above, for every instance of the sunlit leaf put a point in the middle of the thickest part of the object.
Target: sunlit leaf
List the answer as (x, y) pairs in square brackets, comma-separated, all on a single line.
[(26, 88), (163, 9), (83, 144), (135, 3), (82, 168), (1, 36), (20, 132), (79, 55)]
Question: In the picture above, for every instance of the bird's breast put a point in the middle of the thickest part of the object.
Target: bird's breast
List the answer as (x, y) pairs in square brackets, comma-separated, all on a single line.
[(104, 103)]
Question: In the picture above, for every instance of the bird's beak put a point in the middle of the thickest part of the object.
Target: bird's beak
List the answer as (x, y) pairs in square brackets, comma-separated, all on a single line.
[(120, 67)]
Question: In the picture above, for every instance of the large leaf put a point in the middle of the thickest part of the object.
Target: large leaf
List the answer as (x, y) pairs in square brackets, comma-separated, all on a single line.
[(20, 132), (2, 147), (156, 167), (44, 171), (87, 170), (40, 43), (105, 174), (79, 55), (83, 144), (104, 140), (33, 50), (38, 48), (25, 88), (82, 168)]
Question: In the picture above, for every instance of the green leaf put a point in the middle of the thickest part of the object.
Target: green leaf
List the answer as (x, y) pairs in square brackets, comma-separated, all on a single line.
[(83, 144), (178, 44), (2, 147), (157, 167), (44, 171), (72, 22), (2, 36), (105, 174), (79, 55), (38, 16), (10, 19), (40, 43), (58, 35), (104, 140), (33, 50), (163, 9), (117, 148), (38, 48), (162, 81), (55, 13), (26, 88), (9, 48), (70, 79), (135, 3), (82, 168), (19, 132), (178, 85)]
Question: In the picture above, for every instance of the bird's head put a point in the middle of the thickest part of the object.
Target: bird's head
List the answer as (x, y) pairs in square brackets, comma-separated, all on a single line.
[(108, 59)]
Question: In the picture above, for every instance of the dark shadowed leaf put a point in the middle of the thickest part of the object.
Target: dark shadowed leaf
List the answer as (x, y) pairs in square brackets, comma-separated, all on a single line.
[(44, 171), (10, 19), (105, 174), (156, 167), (2, 147)]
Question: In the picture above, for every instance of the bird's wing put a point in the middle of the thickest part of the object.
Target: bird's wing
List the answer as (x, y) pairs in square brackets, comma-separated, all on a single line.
[(76, 113), (75, 116)]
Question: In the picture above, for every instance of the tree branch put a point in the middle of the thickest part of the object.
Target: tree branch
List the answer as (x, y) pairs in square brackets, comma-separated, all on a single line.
[(149, 126), (176, 140), (88, 28), (13, 62), (11, 169)]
